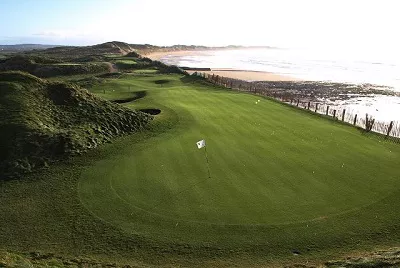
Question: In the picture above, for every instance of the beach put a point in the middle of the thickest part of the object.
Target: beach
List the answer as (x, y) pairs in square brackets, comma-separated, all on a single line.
[(231, 73), (158, 55), (248, 75), (334, 82)]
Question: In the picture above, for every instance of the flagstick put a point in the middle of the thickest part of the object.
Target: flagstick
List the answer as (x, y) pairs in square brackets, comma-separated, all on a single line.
[(208, 166)]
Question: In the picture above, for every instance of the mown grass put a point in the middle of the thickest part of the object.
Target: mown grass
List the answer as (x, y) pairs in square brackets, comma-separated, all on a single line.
[(282, 182), (126, 61), (146, 71), (269, 167), (126, 64)]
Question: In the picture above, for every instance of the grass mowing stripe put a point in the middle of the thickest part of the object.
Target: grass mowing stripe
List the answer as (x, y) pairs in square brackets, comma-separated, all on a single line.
[(271, 165)]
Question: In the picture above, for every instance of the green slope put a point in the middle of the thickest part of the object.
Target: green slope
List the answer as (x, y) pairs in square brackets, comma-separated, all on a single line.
[(282, 181)]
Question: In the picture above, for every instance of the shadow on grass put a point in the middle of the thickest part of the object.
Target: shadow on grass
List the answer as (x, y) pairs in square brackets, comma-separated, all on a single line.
[(138, 95), (194, 79), (162, 81), (151, 111)]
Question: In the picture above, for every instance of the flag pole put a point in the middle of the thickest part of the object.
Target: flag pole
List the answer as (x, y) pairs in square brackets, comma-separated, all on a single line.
[(208, 166)]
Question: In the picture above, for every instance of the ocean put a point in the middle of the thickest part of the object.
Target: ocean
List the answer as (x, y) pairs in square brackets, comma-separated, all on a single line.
[(352, 66)]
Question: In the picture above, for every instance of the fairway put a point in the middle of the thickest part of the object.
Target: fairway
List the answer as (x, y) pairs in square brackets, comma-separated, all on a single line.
[(275, 170)]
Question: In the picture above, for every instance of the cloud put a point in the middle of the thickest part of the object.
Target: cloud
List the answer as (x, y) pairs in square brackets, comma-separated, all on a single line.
[(47, 33), (62, 34)]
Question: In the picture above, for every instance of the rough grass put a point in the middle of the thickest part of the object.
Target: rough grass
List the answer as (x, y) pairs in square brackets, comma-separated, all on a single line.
[(378, 259), (286, 186), (42, 121)]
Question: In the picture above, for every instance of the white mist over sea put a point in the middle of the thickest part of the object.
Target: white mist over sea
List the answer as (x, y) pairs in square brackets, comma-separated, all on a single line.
[(355, 66)]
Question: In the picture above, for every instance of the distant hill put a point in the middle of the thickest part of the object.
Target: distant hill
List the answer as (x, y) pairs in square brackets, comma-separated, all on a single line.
[(113, 47), (24, 47), (44, 121), (83, 52), (95, 52)]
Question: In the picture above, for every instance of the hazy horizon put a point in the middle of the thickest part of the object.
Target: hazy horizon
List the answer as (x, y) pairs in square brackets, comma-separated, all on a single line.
[(368, 25), (48, 44)]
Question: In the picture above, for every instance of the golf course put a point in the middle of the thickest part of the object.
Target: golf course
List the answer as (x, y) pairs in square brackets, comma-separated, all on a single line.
[(278, 175), (284, 184)]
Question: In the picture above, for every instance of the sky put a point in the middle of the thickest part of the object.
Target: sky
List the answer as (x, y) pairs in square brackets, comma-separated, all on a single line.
[(362, 24)]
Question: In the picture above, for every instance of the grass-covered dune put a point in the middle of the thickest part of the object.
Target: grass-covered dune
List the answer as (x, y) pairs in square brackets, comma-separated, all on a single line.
[(41, 121), (286, 186), (82, 52), (49, 67)]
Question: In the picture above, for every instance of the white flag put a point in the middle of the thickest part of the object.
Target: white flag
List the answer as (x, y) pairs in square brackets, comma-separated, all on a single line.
[(201, 144)]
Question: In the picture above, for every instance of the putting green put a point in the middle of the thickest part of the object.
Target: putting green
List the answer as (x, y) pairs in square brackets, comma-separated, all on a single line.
[(270, 165)]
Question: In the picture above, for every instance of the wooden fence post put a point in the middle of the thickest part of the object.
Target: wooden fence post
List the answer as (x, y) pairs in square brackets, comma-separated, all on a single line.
[(316, 107), (308, 106), (327, 110), (334, 113), (355, 120), (343, 114), (298, 101), (371, 124), (389, 129)]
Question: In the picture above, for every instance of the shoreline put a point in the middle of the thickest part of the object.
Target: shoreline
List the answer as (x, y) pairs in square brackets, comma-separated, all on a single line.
[(250, 76), (157, 55), (225, 72), (375, 100)]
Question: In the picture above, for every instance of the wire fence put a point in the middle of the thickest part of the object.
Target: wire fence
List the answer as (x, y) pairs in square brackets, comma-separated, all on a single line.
[(387, 130)]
